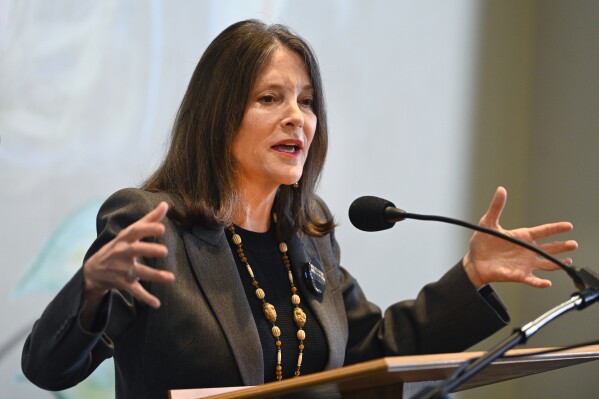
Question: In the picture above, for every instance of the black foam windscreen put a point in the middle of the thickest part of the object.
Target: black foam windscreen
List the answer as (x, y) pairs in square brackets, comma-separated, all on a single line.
[(368, 213)]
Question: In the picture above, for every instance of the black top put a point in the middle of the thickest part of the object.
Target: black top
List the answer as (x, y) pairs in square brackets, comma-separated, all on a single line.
[(262, 252)]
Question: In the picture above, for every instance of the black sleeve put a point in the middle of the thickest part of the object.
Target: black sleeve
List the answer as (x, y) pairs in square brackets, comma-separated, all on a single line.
[(449, 315), (59, 353)]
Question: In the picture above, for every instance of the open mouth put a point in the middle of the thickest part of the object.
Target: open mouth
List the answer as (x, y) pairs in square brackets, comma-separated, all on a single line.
[(287, 148)]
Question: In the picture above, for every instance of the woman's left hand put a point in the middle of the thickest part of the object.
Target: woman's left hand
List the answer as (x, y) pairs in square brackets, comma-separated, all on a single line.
[(491, 259)]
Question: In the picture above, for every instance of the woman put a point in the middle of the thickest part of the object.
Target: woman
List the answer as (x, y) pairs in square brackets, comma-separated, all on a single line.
[(195, 279)]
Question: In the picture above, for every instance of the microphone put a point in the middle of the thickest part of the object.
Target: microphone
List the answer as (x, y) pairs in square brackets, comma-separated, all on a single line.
[(371, 213)]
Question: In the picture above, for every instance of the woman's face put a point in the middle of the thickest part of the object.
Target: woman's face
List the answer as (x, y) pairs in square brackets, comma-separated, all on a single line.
[(272, 143)]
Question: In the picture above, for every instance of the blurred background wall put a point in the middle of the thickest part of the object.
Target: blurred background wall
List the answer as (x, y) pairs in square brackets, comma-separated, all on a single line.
[(432, 104)]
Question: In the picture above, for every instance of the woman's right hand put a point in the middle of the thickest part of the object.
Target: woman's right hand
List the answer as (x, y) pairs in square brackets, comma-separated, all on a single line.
[(116, 264)]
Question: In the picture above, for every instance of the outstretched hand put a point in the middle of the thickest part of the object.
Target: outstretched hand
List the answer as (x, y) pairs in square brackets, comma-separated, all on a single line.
[(491, 259), (116, 265)]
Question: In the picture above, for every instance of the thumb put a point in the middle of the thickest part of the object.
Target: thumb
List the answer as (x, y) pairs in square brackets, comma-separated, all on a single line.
[(491, 218)]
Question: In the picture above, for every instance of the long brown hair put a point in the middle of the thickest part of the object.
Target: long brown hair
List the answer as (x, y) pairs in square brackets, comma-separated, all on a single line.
[(199, 168)]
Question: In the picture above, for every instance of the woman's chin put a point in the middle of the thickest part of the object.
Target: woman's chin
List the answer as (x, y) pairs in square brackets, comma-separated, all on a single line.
[(291, 180)]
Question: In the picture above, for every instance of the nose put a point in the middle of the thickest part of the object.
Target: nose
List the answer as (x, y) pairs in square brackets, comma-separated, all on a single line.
[(294, 116)]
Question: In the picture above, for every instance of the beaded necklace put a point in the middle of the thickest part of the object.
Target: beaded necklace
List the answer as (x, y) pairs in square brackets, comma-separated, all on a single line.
[(269, 310)]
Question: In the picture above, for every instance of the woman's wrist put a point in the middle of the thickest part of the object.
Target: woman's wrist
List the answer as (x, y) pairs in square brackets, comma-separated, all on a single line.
[(472, 272), (91, 298)]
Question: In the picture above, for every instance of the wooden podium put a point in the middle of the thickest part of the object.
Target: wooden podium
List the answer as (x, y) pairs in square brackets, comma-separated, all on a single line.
[(397, 377)]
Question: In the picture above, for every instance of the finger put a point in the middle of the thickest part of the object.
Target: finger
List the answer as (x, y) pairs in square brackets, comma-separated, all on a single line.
[(567, 261), (146, 273), (537, 282), (543, 264), (148, 225), (558, 246), (141, 249), (547, 230), (139, 292), (122, 251), (156, 214), (491, 218), (140, 230)]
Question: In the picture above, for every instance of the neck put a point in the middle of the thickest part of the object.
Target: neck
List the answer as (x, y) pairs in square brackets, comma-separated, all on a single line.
[(255, 209)]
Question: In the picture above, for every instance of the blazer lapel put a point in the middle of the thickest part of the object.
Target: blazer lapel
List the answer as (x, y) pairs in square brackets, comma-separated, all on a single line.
[(215, 269), (329, 313)]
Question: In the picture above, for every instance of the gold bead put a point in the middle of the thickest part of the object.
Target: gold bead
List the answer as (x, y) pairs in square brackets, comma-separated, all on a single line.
[(276, 331), (283, 247), (301, 335), (236, 239), (260, 293), (295, 299), (299, 316), (301, 347), (269, 312)]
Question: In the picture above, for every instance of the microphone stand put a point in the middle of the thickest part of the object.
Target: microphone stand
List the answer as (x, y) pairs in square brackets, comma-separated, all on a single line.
[(585, 281), (578, 301)]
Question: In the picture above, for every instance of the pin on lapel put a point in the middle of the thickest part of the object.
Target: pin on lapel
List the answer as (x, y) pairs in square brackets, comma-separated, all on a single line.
[(314, 276)]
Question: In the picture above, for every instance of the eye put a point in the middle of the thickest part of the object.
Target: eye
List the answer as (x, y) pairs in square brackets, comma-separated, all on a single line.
[(267, 99), (307, 102)]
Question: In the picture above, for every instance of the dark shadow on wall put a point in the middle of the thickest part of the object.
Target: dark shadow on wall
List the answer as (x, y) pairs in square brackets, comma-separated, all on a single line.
[(520, 128)]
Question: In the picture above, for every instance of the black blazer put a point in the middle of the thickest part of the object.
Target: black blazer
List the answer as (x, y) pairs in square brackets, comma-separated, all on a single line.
[(204, 334)]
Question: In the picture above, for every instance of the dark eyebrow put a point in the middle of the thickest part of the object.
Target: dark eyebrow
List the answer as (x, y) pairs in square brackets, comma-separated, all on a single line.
[(279, 86)]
